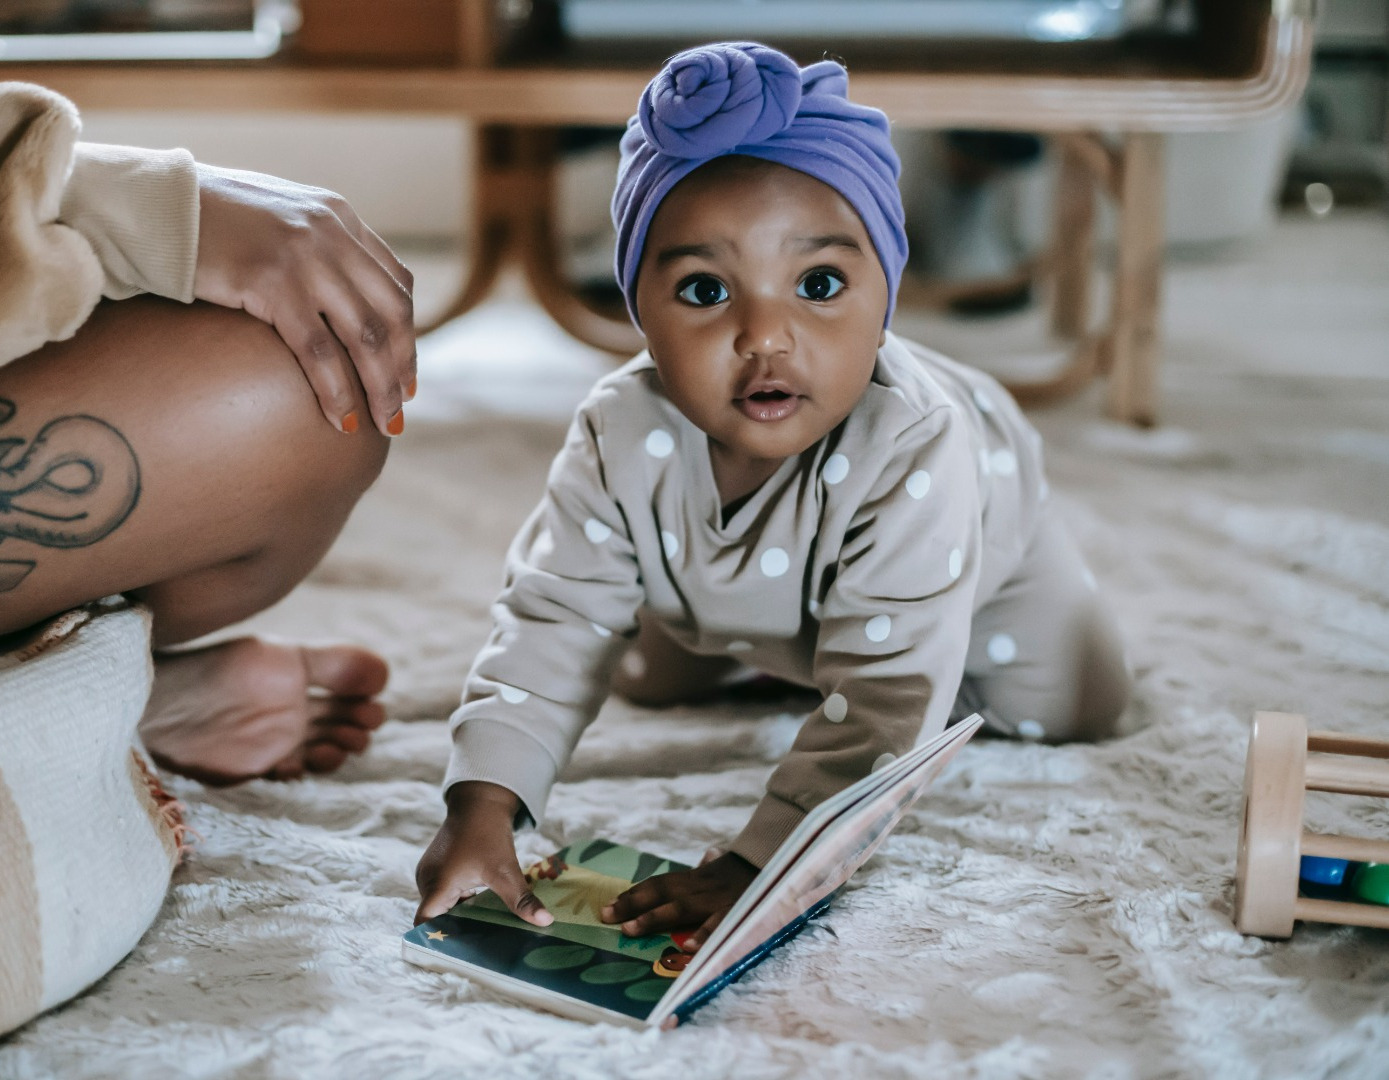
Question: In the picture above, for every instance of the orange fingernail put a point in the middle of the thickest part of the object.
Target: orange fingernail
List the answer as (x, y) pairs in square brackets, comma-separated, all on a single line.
[(349, 423), (410, 390), (396, 424)]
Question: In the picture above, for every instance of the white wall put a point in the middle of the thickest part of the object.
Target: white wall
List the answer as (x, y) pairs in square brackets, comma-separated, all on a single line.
[(404, 175)]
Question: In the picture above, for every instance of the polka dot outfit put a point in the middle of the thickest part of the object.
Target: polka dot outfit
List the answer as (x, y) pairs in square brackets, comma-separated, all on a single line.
[(858, 568)]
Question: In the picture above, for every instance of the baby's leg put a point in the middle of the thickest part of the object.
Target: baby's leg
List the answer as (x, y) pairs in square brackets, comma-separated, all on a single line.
[(658, 671), (1045, 657)]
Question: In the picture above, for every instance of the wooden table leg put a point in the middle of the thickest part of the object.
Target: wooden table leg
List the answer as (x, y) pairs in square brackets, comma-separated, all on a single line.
[(1133, 346), (513, 219), (1072, 243)]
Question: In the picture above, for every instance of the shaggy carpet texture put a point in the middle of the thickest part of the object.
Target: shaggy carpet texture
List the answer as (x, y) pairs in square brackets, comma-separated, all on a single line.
[(1045, 911)]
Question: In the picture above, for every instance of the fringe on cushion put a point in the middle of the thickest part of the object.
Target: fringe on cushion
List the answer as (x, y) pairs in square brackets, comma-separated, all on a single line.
[(171, 811)]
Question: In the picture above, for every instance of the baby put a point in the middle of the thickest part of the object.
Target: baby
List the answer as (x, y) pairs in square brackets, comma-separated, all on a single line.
[(778, 482)]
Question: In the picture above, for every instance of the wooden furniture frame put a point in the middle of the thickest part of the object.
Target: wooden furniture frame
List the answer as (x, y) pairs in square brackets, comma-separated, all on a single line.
[(1284, 762), (1109, 127)]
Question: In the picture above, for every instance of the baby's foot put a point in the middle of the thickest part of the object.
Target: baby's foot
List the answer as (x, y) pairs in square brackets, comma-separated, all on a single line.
[(247, 708)]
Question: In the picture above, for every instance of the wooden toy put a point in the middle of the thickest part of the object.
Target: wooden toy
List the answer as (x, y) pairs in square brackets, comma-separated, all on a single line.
[(1285, 761)]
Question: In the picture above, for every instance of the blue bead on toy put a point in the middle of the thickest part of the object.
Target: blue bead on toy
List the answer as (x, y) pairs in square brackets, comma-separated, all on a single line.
[(1321, 871)]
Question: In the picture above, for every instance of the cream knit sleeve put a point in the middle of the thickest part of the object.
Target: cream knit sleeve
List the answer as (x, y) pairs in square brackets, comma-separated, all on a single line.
[(139, 211), (80, 221)]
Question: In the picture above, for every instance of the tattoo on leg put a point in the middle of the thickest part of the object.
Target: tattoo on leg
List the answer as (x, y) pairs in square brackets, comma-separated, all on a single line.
[(76, 483)]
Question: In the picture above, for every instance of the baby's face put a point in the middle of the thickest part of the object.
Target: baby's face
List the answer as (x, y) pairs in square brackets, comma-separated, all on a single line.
[(763, 302)]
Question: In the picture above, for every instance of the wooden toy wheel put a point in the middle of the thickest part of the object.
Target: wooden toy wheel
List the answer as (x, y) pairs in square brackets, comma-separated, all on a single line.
[(1271, 832)]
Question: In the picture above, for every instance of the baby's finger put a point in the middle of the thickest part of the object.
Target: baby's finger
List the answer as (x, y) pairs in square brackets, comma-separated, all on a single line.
[(638, 899), (511, 885), (326, 365), (676, 914), (437, 897), (700, 936)]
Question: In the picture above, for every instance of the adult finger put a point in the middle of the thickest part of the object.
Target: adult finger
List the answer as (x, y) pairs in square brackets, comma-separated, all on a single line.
[(386, 283), (511, 885), (374, 342), (386, 257), (325, 363)]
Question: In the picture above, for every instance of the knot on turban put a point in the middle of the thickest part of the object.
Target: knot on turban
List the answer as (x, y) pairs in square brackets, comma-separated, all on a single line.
[(747, 99), (707, 101)]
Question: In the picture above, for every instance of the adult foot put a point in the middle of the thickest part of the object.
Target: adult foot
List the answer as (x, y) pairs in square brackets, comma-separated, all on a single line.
[(250, 708)]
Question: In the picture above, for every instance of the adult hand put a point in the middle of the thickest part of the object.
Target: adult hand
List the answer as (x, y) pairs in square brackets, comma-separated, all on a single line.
[(684, 899), (474, 850), (301, 260)]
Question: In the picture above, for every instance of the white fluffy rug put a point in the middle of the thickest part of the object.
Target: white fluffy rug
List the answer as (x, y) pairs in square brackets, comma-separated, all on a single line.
[(1044, 912)]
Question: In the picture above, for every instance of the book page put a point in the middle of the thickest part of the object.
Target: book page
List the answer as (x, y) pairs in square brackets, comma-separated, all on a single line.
[(833, 841), (578, 956)]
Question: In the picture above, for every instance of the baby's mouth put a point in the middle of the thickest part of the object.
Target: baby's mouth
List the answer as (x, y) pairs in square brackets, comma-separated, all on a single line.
[(766, 406)]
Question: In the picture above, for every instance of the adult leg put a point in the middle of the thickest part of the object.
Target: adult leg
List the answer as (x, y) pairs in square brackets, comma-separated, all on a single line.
[(177, 454), (1045, 657)]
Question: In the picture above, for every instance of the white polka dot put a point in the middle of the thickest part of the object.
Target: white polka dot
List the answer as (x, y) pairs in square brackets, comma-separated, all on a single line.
[(1087, 576), (1043, 490), (1030, 729), (957, 563), (596, 531), (1002, 649), (878, 627), (918, 484), (985, 403), (883, 761), (513, 694), (984, 463), (601, 631), (634, 664), (775, 562), (659, 443), (670, 543), (836, 708), (740, 646), (813, 606), (1003, 462), (836, 468)]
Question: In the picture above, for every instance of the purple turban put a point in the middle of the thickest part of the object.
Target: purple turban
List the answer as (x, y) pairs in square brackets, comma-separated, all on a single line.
[(748, 99)]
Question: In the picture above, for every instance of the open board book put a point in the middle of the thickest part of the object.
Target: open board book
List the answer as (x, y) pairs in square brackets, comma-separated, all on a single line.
[(584, 968)]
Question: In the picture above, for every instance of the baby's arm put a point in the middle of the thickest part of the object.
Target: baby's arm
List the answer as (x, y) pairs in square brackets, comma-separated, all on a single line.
[(566, 612)]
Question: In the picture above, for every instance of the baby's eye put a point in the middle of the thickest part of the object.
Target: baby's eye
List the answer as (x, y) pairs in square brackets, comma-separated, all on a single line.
[(702, 291), (820, 285)]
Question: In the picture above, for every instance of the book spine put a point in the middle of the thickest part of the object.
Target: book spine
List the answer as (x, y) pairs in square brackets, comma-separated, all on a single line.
[(750, 961)]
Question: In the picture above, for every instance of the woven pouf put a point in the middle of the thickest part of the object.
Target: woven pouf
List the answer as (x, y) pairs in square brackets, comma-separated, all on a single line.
[(88, 839)]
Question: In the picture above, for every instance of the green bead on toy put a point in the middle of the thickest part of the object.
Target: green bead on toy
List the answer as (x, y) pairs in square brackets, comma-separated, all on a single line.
[(1371, 883)]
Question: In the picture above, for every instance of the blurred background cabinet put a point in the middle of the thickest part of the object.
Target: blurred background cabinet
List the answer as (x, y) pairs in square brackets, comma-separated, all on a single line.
[(521, 72)]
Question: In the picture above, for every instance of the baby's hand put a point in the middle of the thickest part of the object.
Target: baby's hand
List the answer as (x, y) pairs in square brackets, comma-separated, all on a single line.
[(686, 898), (474, 850)]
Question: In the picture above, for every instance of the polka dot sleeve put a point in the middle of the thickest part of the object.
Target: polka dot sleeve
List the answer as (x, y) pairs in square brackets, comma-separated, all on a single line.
[(894, 627), (566, 609)]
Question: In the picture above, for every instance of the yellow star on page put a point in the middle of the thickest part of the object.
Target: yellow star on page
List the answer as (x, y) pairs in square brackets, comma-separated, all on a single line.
[(436, 935)]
